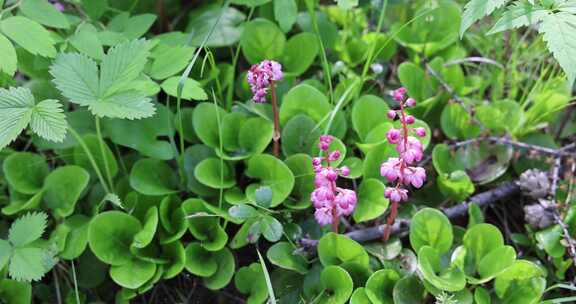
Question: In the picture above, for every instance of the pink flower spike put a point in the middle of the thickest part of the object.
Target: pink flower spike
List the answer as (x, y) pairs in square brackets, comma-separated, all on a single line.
[(260, 76), (393, 136), (410, 102), (335, 155), (391, 114), (420, 132)]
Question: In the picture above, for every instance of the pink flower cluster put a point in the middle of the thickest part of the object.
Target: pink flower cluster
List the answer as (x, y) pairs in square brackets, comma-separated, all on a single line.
[(401, 169), (260, 77), (330, 201)]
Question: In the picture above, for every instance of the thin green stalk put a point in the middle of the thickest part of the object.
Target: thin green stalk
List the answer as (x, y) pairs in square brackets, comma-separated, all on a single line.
[(103, 153), (271, 296), (372, 50), (76, 293), (178, 157), (91, 158), (230, 91), (325, 63)]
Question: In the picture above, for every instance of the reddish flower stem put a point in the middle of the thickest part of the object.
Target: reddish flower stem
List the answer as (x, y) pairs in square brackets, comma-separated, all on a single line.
[(276, 136), (394, 208), (335, 217)]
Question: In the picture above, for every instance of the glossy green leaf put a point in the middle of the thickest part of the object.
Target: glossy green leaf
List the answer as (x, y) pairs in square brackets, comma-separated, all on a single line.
[(304, 99), (368, 112), (153, 177), (284, 255), (63, 188), (132, 274), (150, 224), (250, 280), (203, 226), (380, 285), (215, 173), (25, 171), (225, 271), (110, 235), (441, 276), (270, 172), (296, 59), (93, 144), (337, 285), (261, 39), (200, 261), (409, 290), (371, 200), (191, 90), (336, 249), (430, 227)]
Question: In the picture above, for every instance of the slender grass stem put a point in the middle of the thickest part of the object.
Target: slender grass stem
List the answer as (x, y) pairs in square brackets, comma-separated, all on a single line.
[(103, 153), (91, 158)]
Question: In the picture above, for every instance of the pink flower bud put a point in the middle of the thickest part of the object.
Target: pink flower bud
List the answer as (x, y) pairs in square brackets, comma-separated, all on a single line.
[(326, 139), (416, 176), (399, 94), (409, 119), (390, 169), (344, 171), (420, 132), (317, 161), (323, 215), (393, 136), (334, 155), (323, 146), (345, 201), (410, 102), (391, 114), (396, 194)]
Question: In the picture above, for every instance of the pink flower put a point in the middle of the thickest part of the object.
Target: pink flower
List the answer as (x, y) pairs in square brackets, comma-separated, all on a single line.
[(412, 151), (399, 94), (321, 195), (390, 169), (410, 102), (335, 155), (415, 176), (391, 114), (344, 171), (409, 119), (323, 215), (393, 136), (396, 194), (345, 201), (421, 132), (260, 76)]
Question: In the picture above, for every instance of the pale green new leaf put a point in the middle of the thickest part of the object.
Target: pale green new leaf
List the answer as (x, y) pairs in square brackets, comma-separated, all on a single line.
[(517, 15), (8, 60), (76, 76), (15, 113), (128, 104), (122, 65), (45, 13), (559, 32), (5, 252), (28, 228), (29, 34), (476, 10), (48, 120), (28, 264)]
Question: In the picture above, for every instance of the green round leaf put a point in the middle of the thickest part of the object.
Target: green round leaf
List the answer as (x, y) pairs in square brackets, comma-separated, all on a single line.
[(380, 285), (496, 261), (77, 238), (297, 59), (441, 276), (368, 112), (225, 271), (480, 240), (299, 134), (521, 282), (63, 187), (300, 165), (133, 274), (250, 280), (284, 255), (200, 261), (153, 177), (371, 200), (145, 236), (409, 290), (203, 226), (337, 285), (430, 227), (93, 144), (110, 235), (359, 297), (177, 255), (215, 173), (271, 172), (262, 39), (304, 99), (25, 172), (336, 249), (206, 119), (457, 123)]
